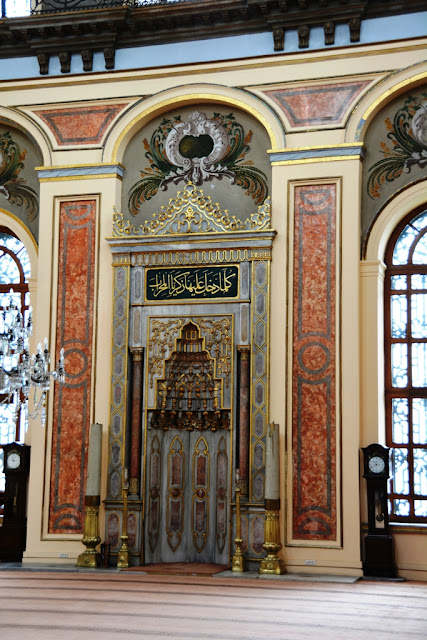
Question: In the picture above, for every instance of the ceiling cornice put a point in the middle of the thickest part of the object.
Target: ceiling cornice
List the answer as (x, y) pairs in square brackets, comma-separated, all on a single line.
[(107, 29)]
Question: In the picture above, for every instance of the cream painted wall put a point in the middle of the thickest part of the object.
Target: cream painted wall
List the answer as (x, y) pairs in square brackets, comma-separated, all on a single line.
[(41, 545), (361, 415)]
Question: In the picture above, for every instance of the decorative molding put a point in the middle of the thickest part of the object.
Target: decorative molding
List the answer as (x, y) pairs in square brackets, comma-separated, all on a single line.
[(329, 31), (260, 322), (65, 61), (279, 39), (303, 36), (313, 154), (94, 171), (107, 28)]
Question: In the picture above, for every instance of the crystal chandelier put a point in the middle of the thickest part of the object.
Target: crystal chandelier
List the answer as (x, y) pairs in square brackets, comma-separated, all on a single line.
[(20, 372)]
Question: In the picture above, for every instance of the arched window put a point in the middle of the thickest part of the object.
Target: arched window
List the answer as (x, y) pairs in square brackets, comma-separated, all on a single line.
[(406, 368), (14, 274)]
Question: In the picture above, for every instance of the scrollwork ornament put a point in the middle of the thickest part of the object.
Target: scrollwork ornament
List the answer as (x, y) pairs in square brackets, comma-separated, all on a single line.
[(192, 212)]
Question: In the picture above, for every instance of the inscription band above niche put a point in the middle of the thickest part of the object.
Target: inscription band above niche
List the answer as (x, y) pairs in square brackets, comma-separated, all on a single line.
[(192, 283)]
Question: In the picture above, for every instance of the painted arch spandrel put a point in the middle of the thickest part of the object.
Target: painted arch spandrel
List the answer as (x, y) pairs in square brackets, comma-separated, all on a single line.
[(223, 151), (396, 152), (19, 184)]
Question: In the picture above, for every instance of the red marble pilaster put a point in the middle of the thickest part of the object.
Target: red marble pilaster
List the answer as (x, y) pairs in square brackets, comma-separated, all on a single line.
[(71, 419), (135, 439), (314, 364)]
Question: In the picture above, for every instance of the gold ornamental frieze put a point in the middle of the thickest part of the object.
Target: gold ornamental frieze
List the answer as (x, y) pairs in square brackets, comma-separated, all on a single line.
[(192, 212), (186, 258)]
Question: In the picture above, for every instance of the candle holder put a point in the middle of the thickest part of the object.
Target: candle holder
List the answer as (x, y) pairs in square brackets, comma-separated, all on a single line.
[(272, 564), (91, 557), (238, 564), (123, 557)]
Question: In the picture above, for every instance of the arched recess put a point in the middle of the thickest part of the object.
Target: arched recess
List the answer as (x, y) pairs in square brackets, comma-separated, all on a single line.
[(13, 223), (10, 221), (402, 204), (154, 106), (381, 94), (28, 127), (372, 270)]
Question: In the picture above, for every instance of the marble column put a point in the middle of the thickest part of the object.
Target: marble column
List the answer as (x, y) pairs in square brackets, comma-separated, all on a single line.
[(272, 466), (135, 438), (244, 419), (272, 564), (91, 557), (93, 481)]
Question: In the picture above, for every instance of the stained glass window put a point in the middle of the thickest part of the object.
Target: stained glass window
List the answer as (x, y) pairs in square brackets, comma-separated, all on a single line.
[(14, 275), (406, 368)]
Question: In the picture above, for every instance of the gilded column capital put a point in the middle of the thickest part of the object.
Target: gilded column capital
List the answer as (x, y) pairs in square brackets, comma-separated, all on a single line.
[(244, 351), (137, 353)]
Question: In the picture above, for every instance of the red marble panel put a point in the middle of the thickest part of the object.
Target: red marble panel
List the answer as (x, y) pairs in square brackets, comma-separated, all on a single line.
[(80, 125), (71, 419), (176, 475), (131, 530), (221, 495), (257, 527), (201, 471), (175, 523), (154, 518), (314, 364), (317, 104), (113, 530), (244, 527), (154, 494), (200, 520), (220, 518)]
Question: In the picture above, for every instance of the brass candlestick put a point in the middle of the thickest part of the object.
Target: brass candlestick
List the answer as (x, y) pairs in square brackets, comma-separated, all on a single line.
[(91, 557), (238, 564), (271, 564), (123, 557)]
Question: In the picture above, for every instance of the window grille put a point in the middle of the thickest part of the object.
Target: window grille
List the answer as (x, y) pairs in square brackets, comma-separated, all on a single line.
[(406, 368)]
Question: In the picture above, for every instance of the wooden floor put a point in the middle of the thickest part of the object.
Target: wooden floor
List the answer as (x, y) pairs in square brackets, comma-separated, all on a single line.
[(95, 606)]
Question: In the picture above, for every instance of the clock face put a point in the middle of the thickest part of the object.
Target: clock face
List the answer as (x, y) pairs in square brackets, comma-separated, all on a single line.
[(13, 460), (376, 464)]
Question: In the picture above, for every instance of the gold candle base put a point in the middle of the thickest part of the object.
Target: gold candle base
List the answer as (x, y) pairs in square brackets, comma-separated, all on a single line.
[(123, 557), (238, 562), (90, 558), (271, 564)]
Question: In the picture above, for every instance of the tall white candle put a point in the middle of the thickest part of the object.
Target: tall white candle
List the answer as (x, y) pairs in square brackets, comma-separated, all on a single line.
[(93, 482), (272, 466)]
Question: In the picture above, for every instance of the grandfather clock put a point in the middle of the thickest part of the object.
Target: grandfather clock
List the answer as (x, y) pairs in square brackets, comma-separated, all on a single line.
[(379, 549), (13, 533)]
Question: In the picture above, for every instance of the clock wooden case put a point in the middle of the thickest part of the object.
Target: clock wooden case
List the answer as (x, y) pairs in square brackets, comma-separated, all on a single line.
[(379, 548), (13, 533)]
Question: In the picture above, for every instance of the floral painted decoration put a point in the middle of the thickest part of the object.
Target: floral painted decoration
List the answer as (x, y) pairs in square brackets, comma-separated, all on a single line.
[(198, 150), (13, 187), (408, 136)]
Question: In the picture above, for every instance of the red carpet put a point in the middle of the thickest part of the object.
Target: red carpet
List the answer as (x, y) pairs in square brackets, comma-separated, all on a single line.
[(181, 568)]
